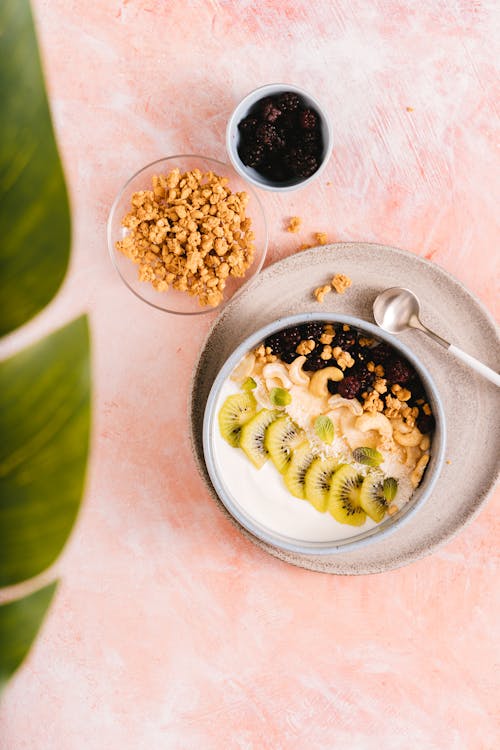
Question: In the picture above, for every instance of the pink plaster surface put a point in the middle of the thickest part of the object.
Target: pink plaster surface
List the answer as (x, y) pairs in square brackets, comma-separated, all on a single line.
[(170, 630)]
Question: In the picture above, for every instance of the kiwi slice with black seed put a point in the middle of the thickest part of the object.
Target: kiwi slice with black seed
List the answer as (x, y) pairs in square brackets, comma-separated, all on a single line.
[(252, 436), (281, 437), (301, 459), (317, 482), (343, 497), (371, 497), (235, 411)]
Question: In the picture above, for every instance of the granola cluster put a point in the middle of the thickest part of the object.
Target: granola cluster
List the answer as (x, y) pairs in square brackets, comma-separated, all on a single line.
[(340, 283), (190, 232)]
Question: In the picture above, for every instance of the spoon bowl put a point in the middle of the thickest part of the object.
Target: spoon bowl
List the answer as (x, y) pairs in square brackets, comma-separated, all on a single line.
[(395, 309)]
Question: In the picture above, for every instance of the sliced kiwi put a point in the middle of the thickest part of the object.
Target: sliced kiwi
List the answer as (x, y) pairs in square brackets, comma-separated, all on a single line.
[(235, 411), (367, 456), (371, 497), (280, 397), (301, 459), (281, 437), (249, 384), (252, 436), (324, 429), (317, 481), (343, 497), (390, 488)]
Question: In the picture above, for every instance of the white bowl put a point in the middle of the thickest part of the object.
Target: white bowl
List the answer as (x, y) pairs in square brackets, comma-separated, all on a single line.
[(249, 512), (242, 110)]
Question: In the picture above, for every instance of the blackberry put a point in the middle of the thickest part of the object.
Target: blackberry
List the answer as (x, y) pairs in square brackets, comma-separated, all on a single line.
[(284, 341), (273, 167), (426, 423), (349, 387), (312, 330), (269, 111), (312, 143), (268, 136), (308, 119), (345, 339), (288, 101), (300, 163), (288, 356), (314, 362), (332, 387), (366, 378), (251, 154), (381, 353), (397, 371), (248, 125)]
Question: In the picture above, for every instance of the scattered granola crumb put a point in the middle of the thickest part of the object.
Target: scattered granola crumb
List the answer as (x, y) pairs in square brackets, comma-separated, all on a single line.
[(294, 224), (448, 461), (392, 509), (305, 246), (320, 292), (328, 184), (321, 238), (410, 109), (340, 283)]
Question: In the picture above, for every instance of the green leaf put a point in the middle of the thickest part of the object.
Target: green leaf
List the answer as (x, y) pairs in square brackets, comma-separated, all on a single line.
[(34, 211), (44, 423), (19, 624)]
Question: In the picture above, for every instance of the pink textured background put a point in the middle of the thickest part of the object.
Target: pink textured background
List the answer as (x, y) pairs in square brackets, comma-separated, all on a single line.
[(170, 630)]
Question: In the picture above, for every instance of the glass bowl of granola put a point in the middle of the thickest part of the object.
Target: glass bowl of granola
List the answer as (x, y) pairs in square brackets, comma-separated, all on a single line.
[(322, 433), (185, 233)]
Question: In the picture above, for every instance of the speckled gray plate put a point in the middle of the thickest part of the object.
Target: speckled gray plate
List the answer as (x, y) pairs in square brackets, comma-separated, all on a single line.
[(471, 403)]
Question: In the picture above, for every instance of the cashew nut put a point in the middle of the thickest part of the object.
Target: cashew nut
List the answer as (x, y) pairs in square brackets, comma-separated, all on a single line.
[(398, 424), (413, 454), (409, 439), (355, 438), (297, 374), (425, 443), (275, 371), (375, 421), (417, 472), (319, 381), (244, 369), (337, 401)]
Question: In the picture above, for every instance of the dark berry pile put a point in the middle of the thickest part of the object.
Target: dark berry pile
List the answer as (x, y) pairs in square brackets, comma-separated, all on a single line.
[(358, 379), (281, 138)]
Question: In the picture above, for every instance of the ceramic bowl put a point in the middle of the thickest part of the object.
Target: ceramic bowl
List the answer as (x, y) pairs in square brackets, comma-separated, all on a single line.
[(243, 109), (234, 497), (173, 300)]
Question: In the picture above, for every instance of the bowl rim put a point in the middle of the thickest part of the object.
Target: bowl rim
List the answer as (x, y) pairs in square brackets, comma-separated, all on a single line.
[(316, 549), (232, 125), (112, 251)]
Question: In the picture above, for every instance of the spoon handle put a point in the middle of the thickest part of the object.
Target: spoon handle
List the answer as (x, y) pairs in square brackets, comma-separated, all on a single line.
[(476, 365)]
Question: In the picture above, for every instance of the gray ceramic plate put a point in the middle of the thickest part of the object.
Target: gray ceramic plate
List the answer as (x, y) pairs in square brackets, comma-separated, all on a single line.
[(471, 403)]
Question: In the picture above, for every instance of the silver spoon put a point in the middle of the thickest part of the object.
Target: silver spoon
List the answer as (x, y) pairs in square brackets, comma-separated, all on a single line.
[(397, 309)]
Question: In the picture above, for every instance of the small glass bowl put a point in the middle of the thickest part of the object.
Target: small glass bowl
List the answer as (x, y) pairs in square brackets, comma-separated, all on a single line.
[(173, 300)]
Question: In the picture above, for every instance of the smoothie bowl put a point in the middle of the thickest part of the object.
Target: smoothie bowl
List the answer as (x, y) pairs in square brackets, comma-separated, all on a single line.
[(322, 433)]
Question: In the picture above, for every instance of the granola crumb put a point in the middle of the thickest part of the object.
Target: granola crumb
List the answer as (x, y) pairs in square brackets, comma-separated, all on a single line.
[(410, 109), (340, 283), (321, 238), (294, 224), (305, 347), (320, 292), (305, 246)]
